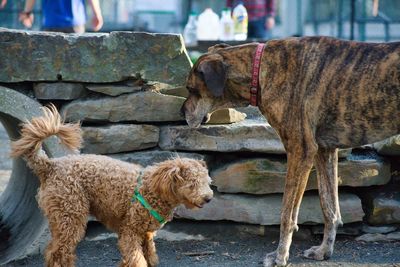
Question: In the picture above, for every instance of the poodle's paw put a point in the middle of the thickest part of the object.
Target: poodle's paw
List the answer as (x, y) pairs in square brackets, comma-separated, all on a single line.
[(153, 260), (317, 253), (271, 260)]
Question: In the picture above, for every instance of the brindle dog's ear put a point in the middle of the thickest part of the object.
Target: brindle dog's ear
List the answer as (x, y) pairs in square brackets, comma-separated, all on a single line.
[(217, 47), (214, 74)]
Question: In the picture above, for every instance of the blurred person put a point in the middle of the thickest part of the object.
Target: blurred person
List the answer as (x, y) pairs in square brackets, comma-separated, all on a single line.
[(261, 17), (3, 3), (67, 16)]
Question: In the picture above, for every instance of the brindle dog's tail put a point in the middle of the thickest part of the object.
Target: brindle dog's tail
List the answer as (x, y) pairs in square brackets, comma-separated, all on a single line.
[(33, 134)]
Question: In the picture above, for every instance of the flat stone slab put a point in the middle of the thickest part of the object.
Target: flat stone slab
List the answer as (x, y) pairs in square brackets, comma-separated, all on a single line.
[(150, 157), (140, 107), (112, 89), (119, 138), (378, 229), (265, 210), (267, 175), (389, 146), (92, 57), (243, 136), (225, 116), (385, 209), (377, 237), (59, 91)]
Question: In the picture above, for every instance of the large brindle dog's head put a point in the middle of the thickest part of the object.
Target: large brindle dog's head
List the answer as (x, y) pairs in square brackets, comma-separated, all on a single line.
[(215, 82)]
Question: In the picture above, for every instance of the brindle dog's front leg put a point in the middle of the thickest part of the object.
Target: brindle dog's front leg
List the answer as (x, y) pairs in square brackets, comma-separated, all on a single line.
[(326, 164), (300, 160)]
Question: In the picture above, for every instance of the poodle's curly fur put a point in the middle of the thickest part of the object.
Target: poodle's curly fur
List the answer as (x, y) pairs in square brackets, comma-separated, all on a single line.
[(74, 186)]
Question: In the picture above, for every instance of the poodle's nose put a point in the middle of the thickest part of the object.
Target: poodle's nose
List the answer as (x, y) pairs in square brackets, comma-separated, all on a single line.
[(207, 199)]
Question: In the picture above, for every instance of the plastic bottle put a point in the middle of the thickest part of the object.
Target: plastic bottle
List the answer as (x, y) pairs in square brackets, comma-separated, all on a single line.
[(208, 25), (240, 20), (190, 31), (226, 26)]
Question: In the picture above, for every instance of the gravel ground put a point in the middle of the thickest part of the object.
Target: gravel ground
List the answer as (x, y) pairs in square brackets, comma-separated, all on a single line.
[(225, 245)]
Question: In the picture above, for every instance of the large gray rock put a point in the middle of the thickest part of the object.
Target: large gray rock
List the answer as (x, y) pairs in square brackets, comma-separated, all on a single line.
[(390, 146), (244, 136), (142, 107), (265, 176), (385, 209), (150, 157), (265, 210), (59, 91), (119, 138), (96, 58)]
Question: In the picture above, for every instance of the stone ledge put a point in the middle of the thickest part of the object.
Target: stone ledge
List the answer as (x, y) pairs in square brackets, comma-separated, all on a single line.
[(119, 138), (265, 210), (59, 91), (150, 157), (141, 107), (265, 176), (92, 57), (389, 146), (385, 208), (112, 89), (244, 136)]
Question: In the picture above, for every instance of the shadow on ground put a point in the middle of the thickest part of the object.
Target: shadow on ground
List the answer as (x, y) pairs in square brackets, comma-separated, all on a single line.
[(210, 244)]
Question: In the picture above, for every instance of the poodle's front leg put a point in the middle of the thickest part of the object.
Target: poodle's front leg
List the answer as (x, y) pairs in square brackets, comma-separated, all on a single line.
[(130, 246), (149, 249)]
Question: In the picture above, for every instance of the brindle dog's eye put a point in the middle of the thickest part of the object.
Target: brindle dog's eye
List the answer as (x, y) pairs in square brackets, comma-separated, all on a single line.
[(193, 91)]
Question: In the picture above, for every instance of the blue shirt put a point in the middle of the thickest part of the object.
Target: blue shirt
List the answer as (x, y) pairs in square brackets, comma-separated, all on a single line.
[(63, 13)]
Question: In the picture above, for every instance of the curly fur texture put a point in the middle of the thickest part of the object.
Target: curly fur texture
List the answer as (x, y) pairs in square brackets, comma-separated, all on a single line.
[(74, 186)]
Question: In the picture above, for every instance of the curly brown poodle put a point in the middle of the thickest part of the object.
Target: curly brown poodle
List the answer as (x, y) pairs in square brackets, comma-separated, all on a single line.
[(74, 186)]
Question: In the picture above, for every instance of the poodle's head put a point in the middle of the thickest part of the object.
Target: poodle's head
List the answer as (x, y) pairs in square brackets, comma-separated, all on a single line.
[(183, 181)]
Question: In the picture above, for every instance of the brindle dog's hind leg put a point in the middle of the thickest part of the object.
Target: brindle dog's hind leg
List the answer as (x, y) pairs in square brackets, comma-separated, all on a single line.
[(300, 156), (326, 164)]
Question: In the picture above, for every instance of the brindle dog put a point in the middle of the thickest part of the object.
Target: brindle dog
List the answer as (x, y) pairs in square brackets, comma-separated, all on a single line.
[(320, 94)]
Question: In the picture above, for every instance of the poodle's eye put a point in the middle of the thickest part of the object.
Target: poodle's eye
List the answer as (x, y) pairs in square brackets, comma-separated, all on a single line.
[(192, 186)]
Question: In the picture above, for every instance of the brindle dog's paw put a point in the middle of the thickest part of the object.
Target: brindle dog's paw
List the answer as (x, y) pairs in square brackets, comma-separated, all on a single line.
[(271, 260), (317, 253)]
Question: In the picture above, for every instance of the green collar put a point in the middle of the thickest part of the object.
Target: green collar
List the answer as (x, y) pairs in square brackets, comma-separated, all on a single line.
[(137, 196)]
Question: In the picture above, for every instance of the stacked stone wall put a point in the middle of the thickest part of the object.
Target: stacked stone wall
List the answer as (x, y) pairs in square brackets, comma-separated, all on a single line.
[(127, 89)]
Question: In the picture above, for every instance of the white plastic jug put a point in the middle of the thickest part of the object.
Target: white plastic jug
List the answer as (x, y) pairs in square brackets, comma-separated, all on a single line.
[(226, 26), (240, 20), (190, 31), (208, 25)]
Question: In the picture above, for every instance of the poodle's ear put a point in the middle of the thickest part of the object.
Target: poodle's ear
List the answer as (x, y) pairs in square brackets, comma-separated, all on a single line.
[(203, 163), (175, 173), (165, 178), (214, 73)]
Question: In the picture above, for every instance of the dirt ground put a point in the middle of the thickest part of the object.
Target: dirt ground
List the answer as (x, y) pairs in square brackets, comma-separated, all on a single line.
[(225, 244)]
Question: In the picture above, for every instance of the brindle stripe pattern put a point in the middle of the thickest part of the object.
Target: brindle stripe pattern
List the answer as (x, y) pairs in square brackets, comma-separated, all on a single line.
[(354, 88), (319, 93)]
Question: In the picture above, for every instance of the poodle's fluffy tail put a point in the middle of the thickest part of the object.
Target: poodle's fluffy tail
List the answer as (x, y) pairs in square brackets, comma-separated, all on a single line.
[(33, 134)]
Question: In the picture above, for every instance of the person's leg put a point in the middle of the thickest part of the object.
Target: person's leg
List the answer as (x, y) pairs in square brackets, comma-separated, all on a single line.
[(256, 29)]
